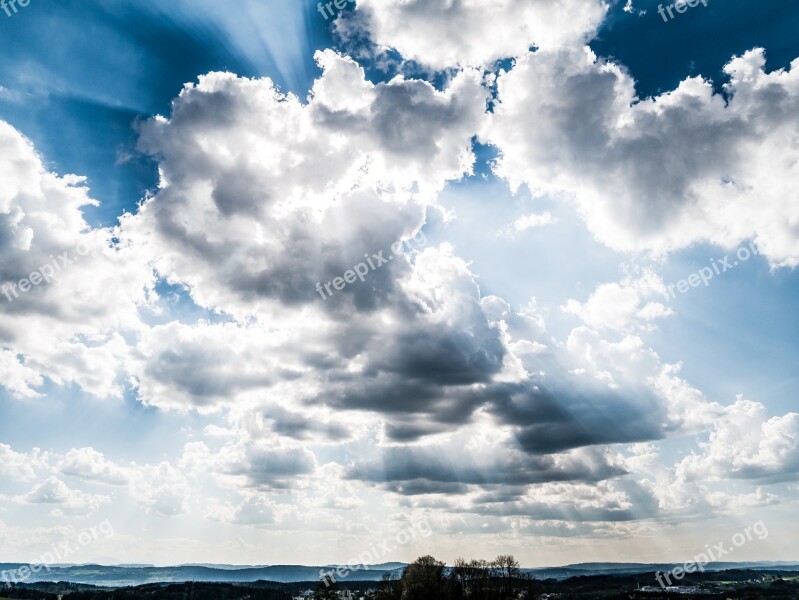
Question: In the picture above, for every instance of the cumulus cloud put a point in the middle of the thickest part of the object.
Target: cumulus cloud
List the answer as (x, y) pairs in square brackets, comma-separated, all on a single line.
[(162, 489), (68, 501), (20, 380), (447, 392), (315, 187), (747, 444), (573, 393), (255, 463), (442, 33), (67, 290), (623, 306), (662, 173), (608, 501), (442, 469), (283, 195), (19, 466), (91, 465)]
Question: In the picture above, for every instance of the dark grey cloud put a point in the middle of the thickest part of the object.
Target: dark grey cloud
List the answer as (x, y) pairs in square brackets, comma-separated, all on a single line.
[(296, 426), (558, 419), (270, 467), (434, 469), (179, 366)]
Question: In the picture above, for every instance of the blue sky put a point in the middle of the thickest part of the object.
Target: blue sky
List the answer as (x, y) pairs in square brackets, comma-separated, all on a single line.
[(186, 380), (71, 94)]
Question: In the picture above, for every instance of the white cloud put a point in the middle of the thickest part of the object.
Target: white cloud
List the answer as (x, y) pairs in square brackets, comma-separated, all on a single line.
[(629, 8), (253, 463), (530, 221), (19, 379), (656, 174), (624, 306), (533, 220), (256, 512), (68, 501), (742, 502), (91, 465), (263, 196), (162, 489), (746, 444), (442, 33), (18, 466), (444, 390), (67, 329)]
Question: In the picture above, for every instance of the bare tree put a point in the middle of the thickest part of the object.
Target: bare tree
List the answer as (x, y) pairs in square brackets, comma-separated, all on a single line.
[(507, 571)]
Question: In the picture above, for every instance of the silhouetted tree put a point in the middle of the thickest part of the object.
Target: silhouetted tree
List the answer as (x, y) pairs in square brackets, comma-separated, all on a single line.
[(424, 580), (429, 579), (506, 570), (326, 590), (390, 588)]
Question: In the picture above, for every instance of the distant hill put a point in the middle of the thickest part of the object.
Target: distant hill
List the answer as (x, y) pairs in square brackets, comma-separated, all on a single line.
[(224, 567), (737, 584), (119, 576), (588, 569), (131, 575)]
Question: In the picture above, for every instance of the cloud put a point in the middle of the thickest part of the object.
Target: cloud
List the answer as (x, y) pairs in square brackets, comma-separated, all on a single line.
[(624, 306), (68, 501), (82, 288), (573, 394), (323, 184), (746, 444), (298, 426), (19, 466), (263, 196), (444, 394), (206, 365), (742, 502), (411, 360), (255, 463), (525, 223), (256, 512), (533, 220), (162, 489), (606, 501), (91, 465), (20, 380), (452, 468), (661, 173), (442, 34)]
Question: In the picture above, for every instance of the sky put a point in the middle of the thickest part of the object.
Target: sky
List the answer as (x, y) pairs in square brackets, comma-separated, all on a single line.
[(280, 285)]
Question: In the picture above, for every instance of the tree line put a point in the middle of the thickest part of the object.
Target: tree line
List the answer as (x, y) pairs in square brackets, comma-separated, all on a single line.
[(430, 579)]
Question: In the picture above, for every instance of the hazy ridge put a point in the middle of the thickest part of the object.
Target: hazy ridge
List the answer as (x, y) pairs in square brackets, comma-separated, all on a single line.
[(128, 575)]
